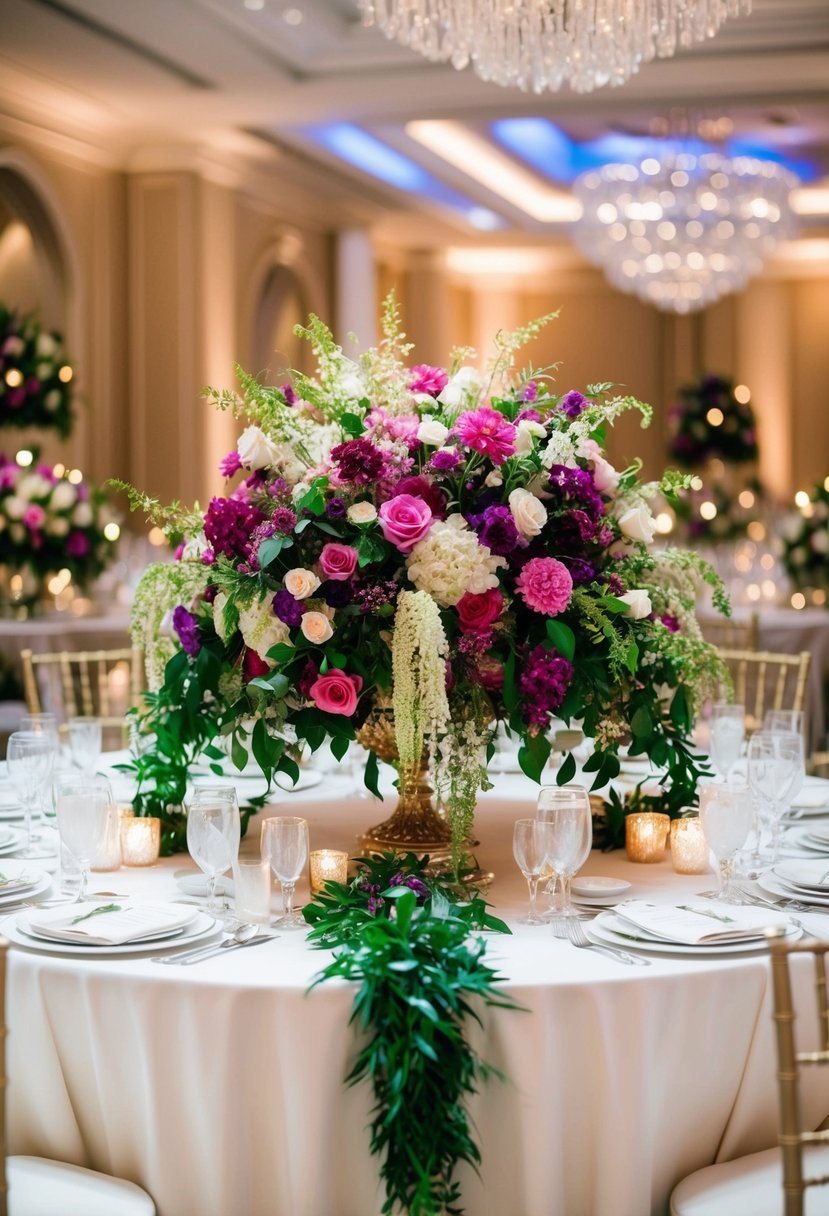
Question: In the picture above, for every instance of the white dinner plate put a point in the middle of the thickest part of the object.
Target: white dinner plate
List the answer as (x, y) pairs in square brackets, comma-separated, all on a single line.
[(805, 842), (199, 929), (596, 887), (808, 875), (775, 886), (20, 871), (608, 929), (12, 843)]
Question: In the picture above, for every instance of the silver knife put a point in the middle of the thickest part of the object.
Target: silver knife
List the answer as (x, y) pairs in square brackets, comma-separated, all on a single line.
[(196, 956)]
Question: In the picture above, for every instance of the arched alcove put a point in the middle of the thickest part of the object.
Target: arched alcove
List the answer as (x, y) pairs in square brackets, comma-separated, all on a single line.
[(282, 302), (36, 264)]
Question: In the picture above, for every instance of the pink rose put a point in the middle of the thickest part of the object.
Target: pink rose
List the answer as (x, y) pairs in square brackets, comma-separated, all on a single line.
[(405, 520), (338, 561), (478, 612), (336, 692)]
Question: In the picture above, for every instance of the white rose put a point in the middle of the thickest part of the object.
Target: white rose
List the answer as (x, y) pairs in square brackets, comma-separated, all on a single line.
[(34, 486), (820, 542), (52, 399), (638, 523), (529, 514), (301, 583), (432, 433), (64, 496), (255, 449), (638, 602), (14, 507), (466, 382), (58, 525), (316, 627), (82, 515), (362, 513), (525, 432), (494, 478), (45, 344), (605, 477)]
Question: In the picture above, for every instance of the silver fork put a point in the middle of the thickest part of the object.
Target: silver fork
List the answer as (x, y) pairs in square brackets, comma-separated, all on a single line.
[(580, 940)]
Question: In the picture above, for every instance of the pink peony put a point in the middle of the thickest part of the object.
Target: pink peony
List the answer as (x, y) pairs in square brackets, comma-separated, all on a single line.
[(405, 520), (545, 585), (338, 561), (426, 379), (336, 692), (477, 612), (487, 431)]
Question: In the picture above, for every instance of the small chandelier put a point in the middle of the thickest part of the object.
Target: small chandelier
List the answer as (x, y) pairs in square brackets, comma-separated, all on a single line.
[(685, 229), (540, 44)]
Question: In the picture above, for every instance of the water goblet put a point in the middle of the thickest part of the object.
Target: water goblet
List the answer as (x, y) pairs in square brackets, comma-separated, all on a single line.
[(784, 719), (567, 809), (726, 813), (775, 767), (213, 834), (285, 844), (531, 840), (85, 742), (30, 756), (44, 724), (728, 731), (85, 809)]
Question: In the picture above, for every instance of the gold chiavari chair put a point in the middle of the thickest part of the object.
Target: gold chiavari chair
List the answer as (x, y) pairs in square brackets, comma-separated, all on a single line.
[(765, 680), (35, 1186), (90, 683), (731, 634), (780, 1181)]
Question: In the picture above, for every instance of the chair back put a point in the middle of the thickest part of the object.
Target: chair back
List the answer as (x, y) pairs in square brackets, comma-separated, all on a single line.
[(93, 683), (731, 634), (764, 680), (790, 1061)]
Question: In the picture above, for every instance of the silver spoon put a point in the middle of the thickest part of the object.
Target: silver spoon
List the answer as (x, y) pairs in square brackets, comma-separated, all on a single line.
[(243, 933)]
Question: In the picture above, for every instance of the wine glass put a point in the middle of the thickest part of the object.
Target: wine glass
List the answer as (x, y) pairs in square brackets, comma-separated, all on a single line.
[(567, 809), (44, 724), (775, 766), (726, 813), (30, 756), (85, 742), (285, 844), (728, 730), (213, 834), (784, 719), (84, 807), (531, 839)]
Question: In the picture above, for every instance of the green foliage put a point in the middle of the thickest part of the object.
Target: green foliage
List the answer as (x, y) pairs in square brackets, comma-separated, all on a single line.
[(174, 520)]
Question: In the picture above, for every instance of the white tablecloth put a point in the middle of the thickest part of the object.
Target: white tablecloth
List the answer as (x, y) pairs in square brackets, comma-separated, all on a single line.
[(219, 1087)]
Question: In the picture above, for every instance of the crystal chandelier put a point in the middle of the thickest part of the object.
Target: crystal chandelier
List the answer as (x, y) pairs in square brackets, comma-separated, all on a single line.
[(540, 44), (683, 230)]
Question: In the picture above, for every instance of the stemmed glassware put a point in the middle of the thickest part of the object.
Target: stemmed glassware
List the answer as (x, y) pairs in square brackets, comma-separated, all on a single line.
[(84, 807), (784, 719), (567, 809), (30, 757), (726, 814), (213, 834), (728, 732), (285, 844), (775, 771), (531, 841), (85, 742), (44, 724)]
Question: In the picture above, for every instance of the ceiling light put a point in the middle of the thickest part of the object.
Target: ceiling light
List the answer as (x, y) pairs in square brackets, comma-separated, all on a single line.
[(255, 6), (292, 16), (540, 44)]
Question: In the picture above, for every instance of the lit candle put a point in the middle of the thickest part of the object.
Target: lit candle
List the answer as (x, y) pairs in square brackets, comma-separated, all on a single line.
[(327, 865), (689, 848), (646, 835), (140, 840)]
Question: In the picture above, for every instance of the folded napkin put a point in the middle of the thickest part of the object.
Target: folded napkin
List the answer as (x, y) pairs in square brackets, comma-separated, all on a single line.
[(811, 798), (697, 924), (95, 926)]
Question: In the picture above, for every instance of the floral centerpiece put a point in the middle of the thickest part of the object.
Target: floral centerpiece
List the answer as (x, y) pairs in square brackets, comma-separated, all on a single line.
[(806, 541), (429, 545), (708, 422), (35, 375), (49, 523)]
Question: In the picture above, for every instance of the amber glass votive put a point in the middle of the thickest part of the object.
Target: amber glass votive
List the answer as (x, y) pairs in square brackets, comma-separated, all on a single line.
[(327, 865), (646, 835), (689, 848), (140, 840)]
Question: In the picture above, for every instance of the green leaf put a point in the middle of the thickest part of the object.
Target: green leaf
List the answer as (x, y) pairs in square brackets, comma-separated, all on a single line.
[(562, 637), (533, 756), (352, 424), (270, 549), (372, 775), (567, 771), (339, 747), (282, 652), (632, 658), (680, 710), (641, 724)]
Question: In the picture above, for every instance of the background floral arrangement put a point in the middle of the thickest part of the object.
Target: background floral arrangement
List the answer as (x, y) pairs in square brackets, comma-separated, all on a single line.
[(457, 541), (806, 541), (48, 523), (732, 518), (708, 421), (35, 376)]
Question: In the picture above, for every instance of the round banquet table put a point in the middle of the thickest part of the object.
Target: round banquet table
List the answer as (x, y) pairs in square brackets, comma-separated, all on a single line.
[(219, 1087)]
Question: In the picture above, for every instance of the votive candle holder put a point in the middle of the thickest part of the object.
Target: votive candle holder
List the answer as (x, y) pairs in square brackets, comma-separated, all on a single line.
[(327, 865), (689, 848), (140, 840), (646, 835)]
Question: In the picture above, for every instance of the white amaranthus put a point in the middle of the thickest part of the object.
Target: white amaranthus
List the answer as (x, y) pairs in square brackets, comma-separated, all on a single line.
[(419, 648)]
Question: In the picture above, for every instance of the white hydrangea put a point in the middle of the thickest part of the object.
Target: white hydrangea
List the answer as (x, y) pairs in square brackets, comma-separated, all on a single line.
[(259, 627), (450, 561), (559, 450)]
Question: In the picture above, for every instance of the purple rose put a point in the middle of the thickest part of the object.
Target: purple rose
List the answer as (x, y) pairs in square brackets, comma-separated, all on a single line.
[(187, 628), (405, 520)]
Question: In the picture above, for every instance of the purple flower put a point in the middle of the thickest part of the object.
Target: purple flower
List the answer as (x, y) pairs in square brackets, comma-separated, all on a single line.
[(358, 461), (426, 379), (289, 394), (581, 570), (529, 416), (530, 391), (573, 404), (376, 596), (187, 628), (287, 608), (670, 623), (496, 529), (444, 460), (335, 508), (231, 464), (283, 520), (208, 557), (77, 544), (210, 593), (486, 431), (544, 683), (576, 485), (228, 525)]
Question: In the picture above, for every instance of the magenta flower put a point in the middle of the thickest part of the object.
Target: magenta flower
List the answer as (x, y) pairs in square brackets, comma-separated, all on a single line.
[(405, 520), (545, 585), (231, 464), (423, 487), (426, 379), (487, 431), (77, 545), (358, 461), (187, 628), (34, 517), (338, 561), (544, 683)]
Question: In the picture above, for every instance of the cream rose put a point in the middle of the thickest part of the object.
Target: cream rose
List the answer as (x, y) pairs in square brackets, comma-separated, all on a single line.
[(63, 496), (525, 433), (466, 382), (638, 523), (638, 602), (432, 433), (316, 627), (82, 515), (255, 449), (529, 514), (362, 513), (301, 583)]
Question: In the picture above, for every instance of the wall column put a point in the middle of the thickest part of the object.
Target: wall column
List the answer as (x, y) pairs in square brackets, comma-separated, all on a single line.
[(356, 294), (763, 362)]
